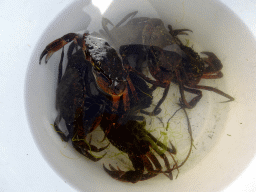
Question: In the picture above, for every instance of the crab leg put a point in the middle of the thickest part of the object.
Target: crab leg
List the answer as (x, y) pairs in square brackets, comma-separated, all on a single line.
[(60, 66), (57, 129), (106, 21), (129, 176), (157, 109), (88, 147), (85, 148), (163, 156), (106, 32), (87, 153), (163, 146), (151, 172), (194, 101), (183, 100), (153, 158), (177, 31), (191, 140), (217, 75), (130, 15), (216, 91)]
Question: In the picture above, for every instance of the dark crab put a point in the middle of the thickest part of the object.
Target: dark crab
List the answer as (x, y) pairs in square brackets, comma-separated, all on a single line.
[(74, 103), (106, 66), (147, 39), (130, 136), (140, 30)]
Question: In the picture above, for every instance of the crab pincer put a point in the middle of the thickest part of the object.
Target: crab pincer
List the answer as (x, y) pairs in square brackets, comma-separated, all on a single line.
[(57, 45)]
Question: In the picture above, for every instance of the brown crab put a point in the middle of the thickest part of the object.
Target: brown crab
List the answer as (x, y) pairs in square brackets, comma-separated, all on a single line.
[(168, 60)]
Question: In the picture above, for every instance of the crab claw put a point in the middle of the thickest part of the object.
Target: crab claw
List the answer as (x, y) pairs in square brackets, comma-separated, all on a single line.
[(126, 176), (214, 63), (56, 45)]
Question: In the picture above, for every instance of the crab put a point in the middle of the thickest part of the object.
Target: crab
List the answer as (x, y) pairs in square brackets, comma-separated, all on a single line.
[(106, 65), (73, 103), (133, 139), (168, 60), (129, 135)]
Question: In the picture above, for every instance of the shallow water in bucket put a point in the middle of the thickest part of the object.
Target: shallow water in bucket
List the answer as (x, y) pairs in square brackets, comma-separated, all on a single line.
[(211, 32)]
